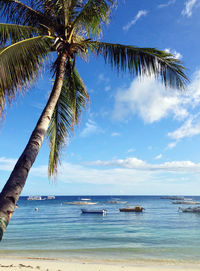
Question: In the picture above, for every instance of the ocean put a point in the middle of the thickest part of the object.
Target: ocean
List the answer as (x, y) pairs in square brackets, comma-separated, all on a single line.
[(57, 230)]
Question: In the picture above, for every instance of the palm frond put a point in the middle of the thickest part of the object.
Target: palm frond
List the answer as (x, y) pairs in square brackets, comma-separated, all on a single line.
[(13, 33), (72, 100), (92, 15), (143, 61), (51, 8), (20, 64), (78, 95), (58, 132), (14, 11)]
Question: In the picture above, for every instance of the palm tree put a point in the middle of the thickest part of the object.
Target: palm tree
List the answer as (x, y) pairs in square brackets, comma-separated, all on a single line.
[(67, 30)]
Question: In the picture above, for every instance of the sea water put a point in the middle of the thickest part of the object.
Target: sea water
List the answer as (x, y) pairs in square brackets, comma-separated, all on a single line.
[(160, 233)]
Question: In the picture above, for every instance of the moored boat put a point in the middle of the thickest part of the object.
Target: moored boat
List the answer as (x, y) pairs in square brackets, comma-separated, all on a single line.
[(195, 209), (81, 202), (186, 202), (51, 197), (34, 198), (116, 202), (172, 197), (94, 211), (137, 209)]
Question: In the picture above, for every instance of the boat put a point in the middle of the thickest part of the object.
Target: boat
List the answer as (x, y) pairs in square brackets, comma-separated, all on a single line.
[(137, 209), (51, 197), (186, 202), (81, 202), (195, 209), (35, 198), (94, 211), (116, 202), (173, 197)]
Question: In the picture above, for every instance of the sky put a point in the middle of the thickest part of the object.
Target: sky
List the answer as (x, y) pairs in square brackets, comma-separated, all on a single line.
[(135, 137)]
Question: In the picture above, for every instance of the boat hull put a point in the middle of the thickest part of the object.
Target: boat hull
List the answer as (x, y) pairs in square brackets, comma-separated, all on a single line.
[(86, 211), (130, 210), (190, 209)]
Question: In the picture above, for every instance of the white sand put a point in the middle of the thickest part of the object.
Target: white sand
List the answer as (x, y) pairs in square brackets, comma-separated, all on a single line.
[(45, 264)]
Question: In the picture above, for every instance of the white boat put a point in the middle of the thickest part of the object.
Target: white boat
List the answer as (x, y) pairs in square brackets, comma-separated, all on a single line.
[(51, 197), (190, 202), (81, 202), (94, 211), (190, 209), (116, 202), (173, 197), (34, 198)]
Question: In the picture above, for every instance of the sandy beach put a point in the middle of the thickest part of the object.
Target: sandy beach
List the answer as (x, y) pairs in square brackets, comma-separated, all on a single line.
[(50, 264)]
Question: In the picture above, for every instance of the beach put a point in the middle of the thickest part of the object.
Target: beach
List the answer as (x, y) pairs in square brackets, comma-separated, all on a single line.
[(53, 264)]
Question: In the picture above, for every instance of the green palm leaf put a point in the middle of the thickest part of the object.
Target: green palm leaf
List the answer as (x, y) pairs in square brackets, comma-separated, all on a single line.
[(49, 8), (13, 32), (17, 12), (142, 61), (72, 100), (58, 132), (20, 64), (92, 15)]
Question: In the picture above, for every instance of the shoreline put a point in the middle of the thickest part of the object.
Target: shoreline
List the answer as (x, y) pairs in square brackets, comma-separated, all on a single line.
[(15, 263)]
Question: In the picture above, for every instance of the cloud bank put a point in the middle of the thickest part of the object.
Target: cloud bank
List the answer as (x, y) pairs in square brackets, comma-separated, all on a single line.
[(137, 164), (131, 170)]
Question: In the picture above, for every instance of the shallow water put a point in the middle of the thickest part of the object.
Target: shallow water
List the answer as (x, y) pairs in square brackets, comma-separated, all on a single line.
[(58, 230)]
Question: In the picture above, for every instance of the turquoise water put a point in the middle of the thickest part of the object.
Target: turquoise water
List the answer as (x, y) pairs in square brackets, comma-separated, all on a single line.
[(60, 230)]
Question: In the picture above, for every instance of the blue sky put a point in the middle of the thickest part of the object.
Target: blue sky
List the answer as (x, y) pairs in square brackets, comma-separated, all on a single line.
[(136, 137)]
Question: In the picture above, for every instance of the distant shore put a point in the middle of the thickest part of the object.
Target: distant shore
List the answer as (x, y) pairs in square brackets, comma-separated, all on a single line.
[(53, 264)]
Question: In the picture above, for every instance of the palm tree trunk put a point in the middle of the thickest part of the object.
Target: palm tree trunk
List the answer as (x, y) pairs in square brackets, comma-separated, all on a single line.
[(13, 188)]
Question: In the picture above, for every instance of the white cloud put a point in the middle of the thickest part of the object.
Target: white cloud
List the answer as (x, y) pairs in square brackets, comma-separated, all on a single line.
[(135, 19), (90, 128), (83, 174), (115, 134), (190, 128), (131, 172), (103, 78), (174, 52), (150, 100), (171, 145), (191, 100), (107, 88), (189, 6), (158, 157), (7, 164), (131, 162), (137, 164), (170, 2), (131, 150)]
